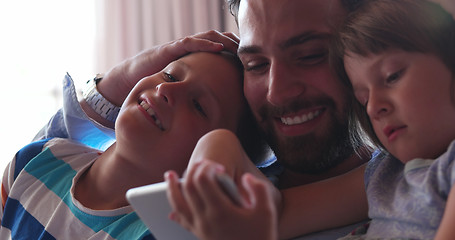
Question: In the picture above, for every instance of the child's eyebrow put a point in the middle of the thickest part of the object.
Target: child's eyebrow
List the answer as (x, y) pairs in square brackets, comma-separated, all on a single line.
[(182, 65), (188, 68)]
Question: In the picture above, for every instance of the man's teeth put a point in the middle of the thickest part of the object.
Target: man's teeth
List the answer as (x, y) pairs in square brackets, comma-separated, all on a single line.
[(150, 111), (300, 119)]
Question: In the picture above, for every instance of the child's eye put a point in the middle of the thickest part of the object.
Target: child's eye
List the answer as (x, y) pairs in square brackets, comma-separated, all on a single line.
[(394, 76), (199, 108), (170, 78)]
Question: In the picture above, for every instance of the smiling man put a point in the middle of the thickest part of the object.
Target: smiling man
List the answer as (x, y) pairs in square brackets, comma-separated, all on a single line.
[(299, 103)]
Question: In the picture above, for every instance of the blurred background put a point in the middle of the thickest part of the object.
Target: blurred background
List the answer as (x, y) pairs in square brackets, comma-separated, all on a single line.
[(42, 40)]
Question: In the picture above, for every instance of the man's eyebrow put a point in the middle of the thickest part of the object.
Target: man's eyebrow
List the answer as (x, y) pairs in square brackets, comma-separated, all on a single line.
[(305, 37), (248, 49)]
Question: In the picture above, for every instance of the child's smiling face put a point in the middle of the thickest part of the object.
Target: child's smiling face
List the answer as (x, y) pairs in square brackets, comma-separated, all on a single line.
[(166, 113), (409, 98)]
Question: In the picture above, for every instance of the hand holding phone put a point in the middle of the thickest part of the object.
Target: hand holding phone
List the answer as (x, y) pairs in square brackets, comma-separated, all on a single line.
[(229, 187)]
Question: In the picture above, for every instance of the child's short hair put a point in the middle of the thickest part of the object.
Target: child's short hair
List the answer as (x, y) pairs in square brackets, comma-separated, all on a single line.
[(378, 25)]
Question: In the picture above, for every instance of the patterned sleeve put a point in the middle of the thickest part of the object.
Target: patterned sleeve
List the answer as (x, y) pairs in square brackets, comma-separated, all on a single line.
[(71, 122), (7, 181)]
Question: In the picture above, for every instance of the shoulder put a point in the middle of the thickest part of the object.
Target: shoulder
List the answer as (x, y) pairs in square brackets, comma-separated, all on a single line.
[(58, 148), (27, 153), (377, 157), (451, 151)]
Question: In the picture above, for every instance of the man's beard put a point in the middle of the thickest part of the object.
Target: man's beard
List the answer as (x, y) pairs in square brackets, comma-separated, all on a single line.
[(313, 153)]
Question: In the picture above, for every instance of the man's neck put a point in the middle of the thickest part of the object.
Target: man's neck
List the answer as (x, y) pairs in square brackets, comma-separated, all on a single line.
[(291, 179)]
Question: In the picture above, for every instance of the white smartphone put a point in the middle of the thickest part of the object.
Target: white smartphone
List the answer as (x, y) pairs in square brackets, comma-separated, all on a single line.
[(229, 187), (152, 206)]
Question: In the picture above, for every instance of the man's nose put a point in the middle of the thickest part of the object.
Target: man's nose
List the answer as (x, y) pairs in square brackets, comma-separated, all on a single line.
[(283, 85)]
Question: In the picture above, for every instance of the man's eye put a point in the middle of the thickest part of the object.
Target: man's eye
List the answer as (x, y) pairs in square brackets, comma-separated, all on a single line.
[(313, 58), (256, 67), (199, 108), (170, 78)]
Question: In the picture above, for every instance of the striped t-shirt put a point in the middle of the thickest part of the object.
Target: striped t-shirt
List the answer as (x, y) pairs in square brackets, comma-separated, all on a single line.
[(38, 202)]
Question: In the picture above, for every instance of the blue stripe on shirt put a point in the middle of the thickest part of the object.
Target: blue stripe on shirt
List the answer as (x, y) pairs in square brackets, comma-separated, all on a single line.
[(26, 154), (17, 218), (130, 221), (56, 174)]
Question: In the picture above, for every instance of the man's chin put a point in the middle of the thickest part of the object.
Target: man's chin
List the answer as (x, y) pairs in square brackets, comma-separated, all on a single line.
[(309, 154)]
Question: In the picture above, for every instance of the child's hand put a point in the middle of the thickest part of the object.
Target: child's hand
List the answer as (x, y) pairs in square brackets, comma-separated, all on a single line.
[(202, 207)]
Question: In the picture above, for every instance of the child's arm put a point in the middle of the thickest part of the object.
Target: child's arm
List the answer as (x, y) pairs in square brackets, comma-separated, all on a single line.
[(446, 229)]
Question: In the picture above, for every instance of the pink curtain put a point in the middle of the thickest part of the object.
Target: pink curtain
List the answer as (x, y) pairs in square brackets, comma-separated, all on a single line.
[(125, 27)]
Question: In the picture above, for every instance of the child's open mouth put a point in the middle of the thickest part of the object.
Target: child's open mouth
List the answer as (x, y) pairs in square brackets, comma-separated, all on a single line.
[(152, 113)]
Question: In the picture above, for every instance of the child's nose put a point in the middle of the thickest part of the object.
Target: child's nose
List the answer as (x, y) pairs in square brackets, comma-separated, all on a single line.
[(163, 92), (378, 106), (170, 92)]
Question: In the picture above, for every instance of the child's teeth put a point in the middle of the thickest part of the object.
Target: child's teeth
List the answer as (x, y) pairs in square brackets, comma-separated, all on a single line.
[(151, 113)]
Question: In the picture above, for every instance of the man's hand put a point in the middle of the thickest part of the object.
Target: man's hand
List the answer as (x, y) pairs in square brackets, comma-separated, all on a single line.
[(119, 81)]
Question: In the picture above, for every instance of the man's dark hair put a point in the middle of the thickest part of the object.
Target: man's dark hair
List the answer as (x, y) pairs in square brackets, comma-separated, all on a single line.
[(351, 5), (233, 5), (234, 8)]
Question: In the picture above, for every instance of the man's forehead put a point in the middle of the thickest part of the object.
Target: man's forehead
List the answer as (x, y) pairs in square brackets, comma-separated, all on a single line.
[(283, 8), (267, 23), (289, 16)]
